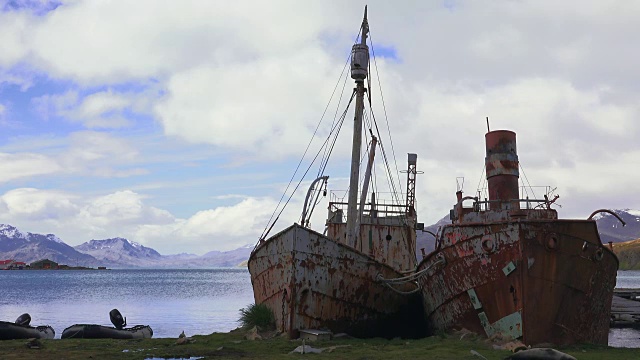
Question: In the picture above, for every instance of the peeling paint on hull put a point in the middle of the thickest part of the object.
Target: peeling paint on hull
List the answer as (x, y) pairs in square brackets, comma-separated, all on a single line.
[(311, 281), (541, 280)]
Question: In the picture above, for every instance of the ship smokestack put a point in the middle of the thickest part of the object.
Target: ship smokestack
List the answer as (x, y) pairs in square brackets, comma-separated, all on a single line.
[(502, 169)]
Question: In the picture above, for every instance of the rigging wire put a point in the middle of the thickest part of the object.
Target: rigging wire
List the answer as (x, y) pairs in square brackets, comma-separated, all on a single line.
[(388, 173), (528, 183), (524, 188), (384, 107), (337, 127), (325, 157), (392, 186), (303, 176), (267, 227), (323, 166)]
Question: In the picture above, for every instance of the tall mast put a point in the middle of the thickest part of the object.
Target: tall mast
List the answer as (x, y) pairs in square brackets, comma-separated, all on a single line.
[(359, 66)]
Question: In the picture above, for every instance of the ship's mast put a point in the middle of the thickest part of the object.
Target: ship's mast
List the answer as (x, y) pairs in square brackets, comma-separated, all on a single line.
[(359, 66)]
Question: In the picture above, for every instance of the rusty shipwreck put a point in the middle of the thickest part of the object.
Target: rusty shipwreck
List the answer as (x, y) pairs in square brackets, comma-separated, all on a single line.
[(330, 279), (509, 266)]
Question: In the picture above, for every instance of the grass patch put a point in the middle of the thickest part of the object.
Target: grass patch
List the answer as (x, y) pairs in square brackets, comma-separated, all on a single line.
[(233, 346), (257, 315)]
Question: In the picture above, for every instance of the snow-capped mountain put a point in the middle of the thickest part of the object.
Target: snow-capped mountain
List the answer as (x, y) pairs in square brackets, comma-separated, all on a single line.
[(112, 253), (29, 247), (611, 229), (123, 253), (120, 252)]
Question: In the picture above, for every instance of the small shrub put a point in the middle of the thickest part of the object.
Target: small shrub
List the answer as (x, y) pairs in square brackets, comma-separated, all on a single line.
[(257, 315)]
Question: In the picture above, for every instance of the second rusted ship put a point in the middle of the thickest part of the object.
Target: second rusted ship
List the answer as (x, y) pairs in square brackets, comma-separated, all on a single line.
[(508, 266), (330, 280)]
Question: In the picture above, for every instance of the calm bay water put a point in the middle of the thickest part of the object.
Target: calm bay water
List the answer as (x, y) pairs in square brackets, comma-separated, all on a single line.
[(170, 301), (626, 337)]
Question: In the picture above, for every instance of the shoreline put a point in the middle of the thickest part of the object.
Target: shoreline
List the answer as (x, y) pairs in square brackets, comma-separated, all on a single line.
[(234, 345)]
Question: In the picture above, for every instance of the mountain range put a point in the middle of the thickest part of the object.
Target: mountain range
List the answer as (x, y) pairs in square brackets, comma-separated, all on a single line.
[(112, 253), (123, 253)]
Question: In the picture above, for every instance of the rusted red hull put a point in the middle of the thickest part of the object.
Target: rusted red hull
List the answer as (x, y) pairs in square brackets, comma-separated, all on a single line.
[(539, 280), (310, 281)]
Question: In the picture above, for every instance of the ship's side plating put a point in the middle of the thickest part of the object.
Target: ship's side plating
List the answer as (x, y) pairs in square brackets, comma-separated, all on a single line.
[(311, 281), (518, 270)]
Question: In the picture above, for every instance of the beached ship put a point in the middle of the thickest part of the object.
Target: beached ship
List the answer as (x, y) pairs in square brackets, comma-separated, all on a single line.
[(329, 279), (508, 266)]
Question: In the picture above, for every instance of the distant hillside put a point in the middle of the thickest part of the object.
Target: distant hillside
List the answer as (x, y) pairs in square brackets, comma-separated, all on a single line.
[(628, 253)]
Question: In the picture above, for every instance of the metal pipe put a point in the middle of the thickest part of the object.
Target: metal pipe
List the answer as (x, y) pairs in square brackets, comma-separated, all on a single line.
[(609, 212), (306, 199)]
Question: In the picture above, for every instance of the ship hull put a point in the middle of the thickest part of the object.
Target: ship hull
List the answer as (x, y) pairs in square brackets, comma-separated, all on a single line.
[(541, 281), (310, 281)]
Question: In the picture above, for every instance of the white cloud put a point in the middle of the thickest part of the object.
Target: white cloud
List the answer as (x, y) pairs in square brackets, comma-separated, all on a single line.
[(13, 27), (77, 219), (49, 106), (83, 153), (124, 40), (120, 209), (16, 166), (38, 205), (222, 228), (104, 109), (264, 117), (96, 107), (253, 78), (94, 145)]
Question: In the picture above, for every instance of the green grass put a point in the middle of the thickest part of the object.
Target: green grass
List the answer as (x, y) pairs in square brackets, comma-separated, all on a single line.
[(257, 315), (233, 346)]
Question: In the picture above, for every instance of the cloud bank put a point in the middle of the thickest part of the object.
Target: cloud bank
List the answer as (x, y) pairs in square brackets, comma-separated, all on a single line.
[(99, 98)]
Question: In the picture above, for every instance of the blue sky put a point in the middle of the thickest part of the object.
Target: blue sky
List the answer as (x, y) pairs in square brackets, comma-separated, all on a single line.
[(179, 126)]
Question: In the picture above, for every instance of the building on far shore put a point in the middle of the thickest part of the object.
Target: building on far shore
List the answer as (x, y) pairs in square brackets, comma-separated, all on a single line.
[(44, 264)]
